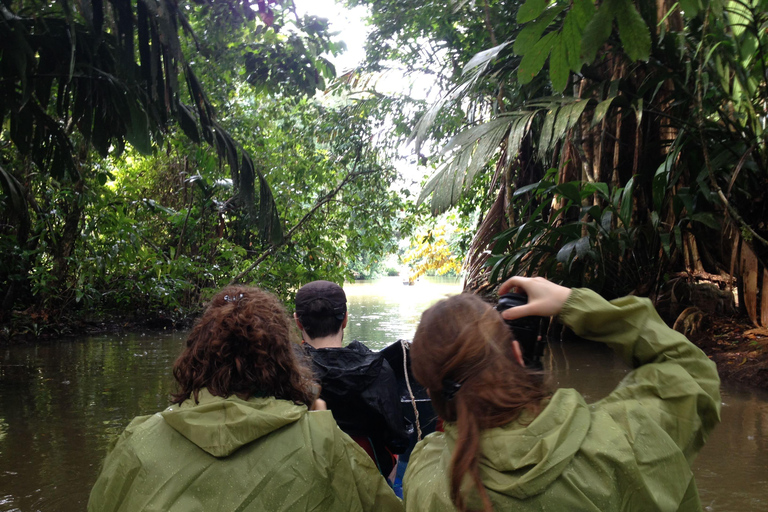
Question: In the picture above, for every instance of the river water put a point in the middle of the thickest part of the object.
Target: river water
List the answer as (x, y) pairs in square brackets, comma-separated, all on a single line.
[(61, 403)]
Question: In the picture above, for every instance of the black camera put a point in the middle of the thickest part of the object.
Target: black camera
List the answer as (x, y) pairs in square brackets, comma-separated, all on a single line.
[(526, 330)]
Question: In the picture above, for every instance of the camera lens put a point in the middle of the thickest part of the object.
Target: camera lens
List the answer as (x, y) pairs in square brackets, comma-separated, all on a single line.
[(525, 329)]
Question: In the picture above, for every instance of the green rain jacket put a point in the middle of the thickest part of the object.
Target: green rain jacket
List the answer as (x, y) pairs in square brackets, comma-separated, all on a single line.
[(223, 455), (630, 451)]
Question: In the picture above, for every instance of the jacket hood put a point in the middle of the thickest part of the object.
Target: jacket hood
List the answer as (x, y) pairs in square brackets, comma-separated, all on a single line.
[(222, 425), (522, 459), (346, 370)]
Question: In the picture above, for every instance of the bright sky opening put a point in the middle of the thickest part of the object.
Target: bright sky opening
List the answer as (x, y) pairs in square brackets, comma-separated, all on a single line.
[(352, 29), (347, 22)]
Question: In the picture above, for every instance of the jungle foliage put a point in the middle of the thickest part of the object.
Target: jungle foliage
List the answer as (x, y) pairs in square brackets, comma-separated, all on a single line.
[(433, 251), (153, 150), (625, 140)]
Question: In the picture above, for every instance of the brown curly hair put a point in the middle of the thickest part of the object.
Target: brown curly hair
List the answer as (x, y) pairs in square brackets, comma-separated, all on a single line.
[(242, 346)]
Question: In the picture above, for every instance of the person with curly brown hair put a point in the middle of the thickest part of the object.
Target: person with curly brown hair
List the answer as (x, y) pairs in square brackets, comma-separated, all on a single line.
[(240, 433), (511, 443)]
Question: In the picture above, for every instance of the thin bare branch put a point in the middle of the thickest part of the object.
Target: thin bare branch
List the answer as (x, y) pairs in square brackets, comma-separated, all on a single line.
[(351, 176)]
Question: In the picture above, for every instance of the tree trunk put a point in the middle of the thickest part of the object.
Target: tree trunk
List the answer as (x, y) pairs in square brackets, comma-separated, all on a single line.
[(66, 243)]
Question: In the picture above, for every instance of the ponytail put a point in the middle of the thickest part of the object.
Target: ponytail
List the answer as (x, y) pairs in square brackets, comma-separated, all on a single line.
[(462, 353), (466, 455)]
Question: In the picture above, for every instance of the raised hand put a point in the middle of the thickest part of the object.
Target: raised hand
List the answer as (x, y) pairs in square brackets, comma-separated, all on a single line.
[(545, 298)]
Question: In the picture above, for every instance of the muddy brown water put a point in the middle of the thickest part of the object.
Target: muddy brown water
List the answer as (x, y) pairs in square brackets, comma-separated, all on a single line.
[(61, 403)]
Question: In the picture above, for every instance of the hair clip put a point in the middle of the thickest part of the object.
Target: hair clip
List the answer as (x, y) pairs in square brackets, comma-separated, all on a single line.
[(227, 298), (450, 388)]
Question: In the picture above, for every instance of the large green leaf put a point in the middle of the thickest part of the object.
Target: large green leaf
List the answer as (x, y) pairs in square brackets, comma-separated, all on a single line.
[(708, 219), (576, 110), (581, 12), (531, 10), (270, 227), (597, 30), (420, 132), (517, 131), (573, 30), (440, 187), (546, 131), (573, 249), (449, 183), (601, 109), (571, 39), (473, 148), (570, 190), (690, 7), (188, 123), (527, 188), (533, 61), (739, 16), (633, 31), (561, 124), (566, 118), (486, 147), (627, 203), (138, 130), (531, 33), (599, 187), (559, 70)]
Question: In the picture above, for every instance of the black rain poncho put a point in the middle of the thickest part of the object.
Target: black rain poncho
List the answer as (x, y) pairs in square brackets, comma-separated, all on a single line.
[(361, 391)]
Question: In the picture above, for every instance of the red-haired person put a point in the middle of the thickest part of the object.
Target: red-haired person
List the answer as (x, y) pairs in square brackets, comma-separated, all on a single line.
[(240, 433), (512, 444)]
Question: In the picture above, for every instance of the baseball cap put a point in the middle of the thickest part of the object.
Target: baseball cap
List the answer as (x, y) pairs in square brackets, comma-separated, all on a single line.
[(330, 294)]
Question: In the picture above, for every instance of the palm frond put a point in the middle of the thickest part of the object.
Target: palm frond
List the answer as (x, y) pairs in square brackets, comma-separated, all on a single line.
[(471, 149), (473, 70)]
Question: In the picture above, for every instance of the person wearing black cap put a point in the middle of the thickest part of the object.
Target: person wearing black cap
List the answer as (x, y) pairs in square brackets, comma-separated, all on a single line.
[(358, 384)]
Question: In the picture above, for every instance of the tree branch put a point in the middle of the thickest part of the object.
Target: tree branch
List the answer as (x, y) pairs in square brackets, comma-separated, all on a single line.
[(351, 176)]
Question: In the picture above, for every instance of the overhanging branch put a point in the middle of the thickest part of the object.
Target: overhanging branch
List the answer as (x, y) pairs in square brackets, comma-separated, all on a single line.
[(351, 176)]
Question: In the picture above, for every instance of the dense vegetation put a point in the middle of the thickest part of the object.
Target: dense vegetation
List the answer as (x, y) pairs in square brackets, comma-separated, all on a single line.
[(623, 142), (153, 150)]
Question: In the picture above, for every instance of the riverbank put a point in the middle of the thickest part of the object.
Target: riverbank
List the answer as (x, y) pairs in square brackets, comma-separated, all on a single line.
[(739, 349), (30, 327)]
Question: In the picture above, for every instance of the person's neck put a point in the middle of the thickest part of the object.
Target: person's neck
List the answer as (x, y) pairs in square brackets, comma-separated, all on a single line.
[(332, 341)]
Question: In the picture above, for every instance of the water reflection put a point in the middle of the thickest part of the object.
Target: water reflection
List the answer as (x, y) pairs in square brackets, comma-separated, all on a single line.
[(732, 470), (62, 403), (386, 310)]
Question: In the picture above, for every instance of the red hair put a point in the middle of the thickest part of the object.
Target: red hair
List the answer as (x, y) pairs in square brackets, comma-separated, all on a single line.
[(464, 340), (242, 345)]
